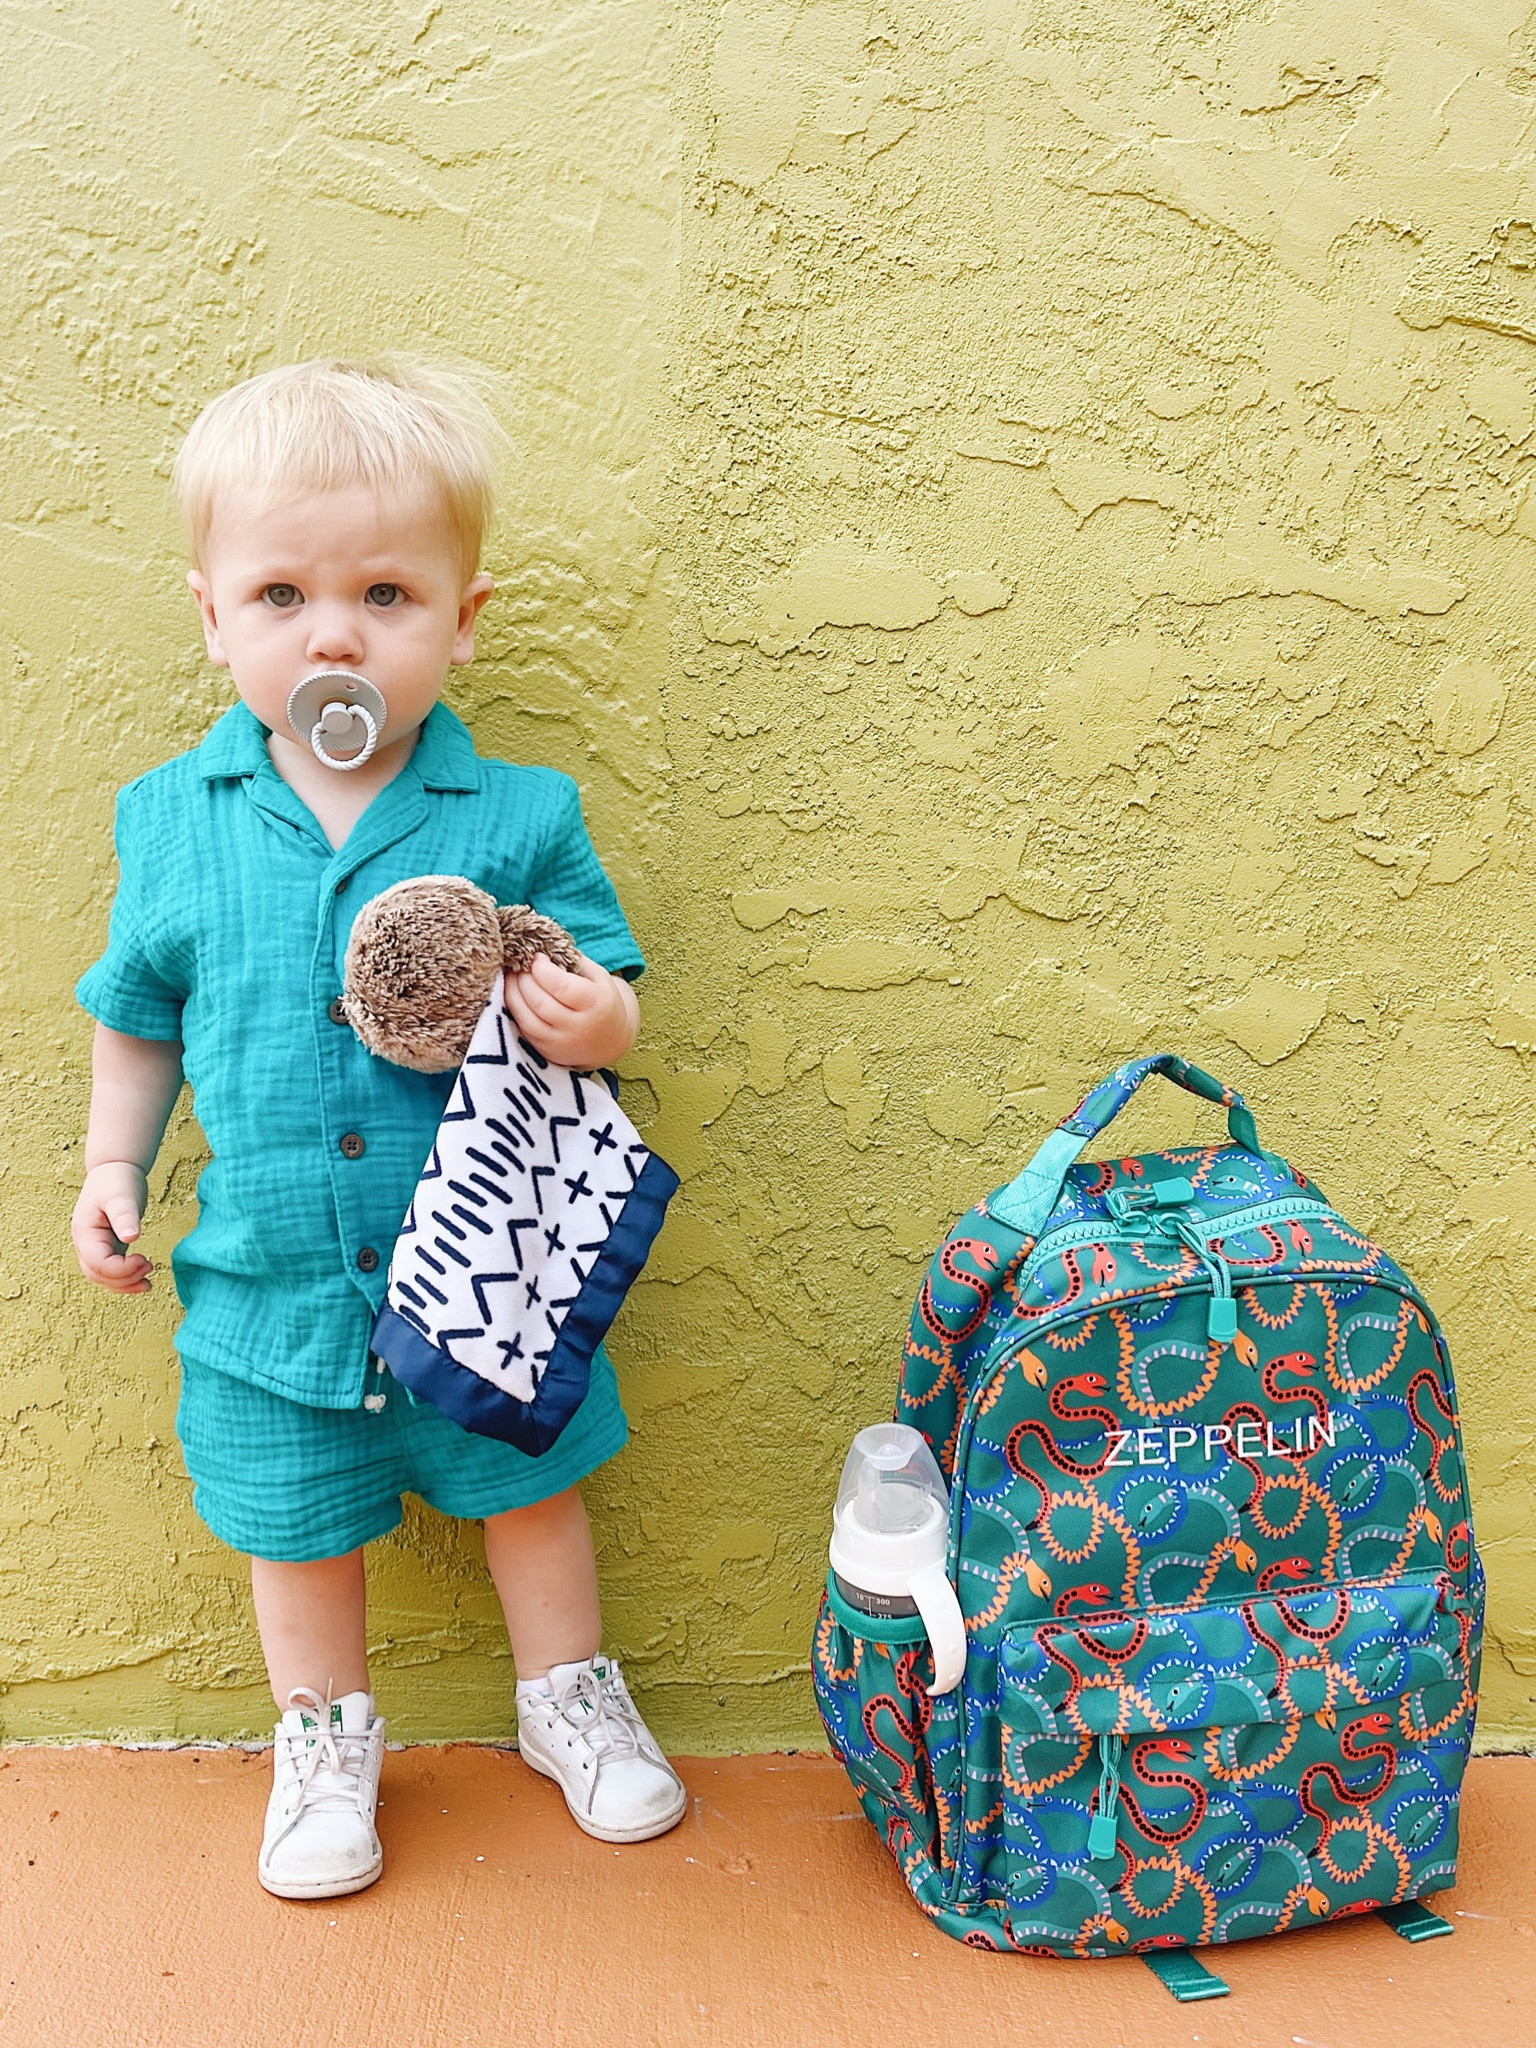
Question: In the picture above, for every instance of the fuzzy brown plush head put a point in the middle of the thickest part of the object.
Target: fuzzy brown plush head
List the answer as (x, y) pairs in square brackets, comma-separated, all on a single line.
[(525, 935), (421, 961)]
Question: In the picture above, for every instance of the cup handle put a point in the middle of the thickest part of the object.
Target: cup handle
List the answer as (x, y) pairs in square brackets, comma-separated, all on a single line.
[(940, 1610)]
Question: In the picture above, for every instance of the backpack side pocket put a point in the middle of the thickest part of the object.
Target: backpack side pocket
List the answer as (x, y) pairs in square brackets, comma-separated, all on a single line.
[(897, 1744)]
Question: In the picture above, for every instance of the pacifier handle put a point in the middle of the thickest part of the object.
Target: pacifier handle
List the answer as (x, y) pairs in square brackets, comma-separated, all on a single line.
[(335, 723), (328, 707)]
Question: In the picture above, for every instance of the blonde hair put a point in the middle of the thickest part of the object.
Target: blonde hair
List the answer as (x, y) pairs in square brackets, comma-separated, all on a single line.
[(391, 424)]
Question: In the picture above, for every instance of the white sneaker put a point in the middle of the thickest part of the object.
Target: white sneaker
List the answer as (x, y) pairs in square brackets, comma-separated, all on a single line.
[(586, 1733), (320, 1840)]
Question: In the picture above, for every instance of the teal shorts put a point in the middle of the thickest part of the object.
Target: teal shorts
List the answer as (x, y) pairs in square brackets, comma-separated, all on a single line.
[(282, 1481)]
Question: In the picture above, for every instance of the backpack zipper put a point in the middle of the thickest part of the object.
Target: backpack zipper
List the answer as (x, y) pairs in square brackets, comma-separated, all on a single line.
[(1072, 1236), (1450, 1601), (1279, 1211)]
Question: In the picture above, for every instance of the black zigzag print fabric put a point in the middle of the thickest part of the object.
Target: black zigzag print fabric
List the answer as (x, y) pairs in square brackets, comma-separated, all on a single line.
[(534, 1212)]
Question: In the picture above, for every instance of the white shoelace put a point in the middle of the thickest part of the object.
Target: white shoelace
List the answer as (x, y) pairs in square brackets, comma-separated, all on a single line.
[(331, 1774), (599, 1709)]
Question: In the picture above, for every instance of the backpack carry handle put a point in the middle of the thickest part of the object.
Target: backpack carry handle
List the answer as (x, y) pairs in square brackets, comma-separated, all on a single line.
[(1026, 1203)]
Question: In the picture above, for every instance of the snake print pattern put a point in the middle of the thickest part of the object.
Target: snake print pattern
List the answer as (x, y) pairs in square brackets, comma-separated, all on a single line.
[(1244, 1569)]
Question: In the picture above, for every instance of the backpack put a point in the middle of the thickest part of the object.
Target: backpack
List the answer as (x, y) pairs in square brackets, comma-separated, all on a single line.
[(1211, 1537)]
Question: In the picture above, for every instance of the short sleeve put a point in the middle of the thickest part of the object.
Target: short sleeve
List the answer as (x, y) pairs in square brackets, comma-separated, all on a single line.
[(136, 986), (568, 884)]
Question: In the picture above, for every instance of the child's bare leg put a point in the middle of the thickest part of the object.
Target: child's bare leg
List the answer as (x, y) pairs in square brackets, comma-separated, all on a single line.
[(547, 1582), (576, 1722), (541, 1561), (319, 1841), (312, 1620)]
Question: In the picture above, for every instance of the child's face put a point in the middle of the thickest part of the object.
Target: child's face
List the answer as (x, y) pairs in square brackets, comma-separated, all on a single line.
[(345, 579)]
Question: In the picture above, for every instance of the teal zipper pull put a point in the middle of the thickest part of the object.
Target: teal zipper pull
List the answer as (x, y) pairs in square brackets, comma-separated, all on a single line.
[(1102, 1828), (1221, 1316), (1221, 1319)]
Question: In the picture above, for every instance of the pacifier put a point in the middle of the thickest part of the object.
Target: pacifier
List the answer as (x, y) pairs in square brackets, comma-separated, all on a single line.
[(339, 714)]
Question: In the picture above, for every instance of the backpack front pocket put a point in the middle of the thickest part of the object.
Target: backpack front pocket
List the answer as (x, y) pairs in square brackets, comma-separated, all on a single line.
[(1233, 1770)]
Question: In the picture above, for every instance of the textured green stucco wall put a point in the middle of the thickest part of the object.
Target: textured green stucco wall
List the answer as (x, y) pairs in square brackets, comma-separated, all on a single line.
[(1020, 529)]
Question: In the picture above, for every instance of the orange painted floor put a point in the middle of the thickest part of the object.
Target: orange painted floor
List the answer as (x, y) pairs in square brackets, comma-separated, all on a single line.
[(130, 1917)]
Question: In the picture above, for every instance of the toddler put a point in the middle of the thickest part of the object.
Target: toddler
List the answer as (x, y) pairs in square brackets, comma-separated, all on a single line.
[(335, 512)]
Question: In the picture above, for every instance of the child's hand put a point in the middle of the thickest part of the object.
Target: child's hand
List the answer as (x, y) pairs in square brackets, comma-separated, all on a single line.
[(588, 1019), (105, 1222)]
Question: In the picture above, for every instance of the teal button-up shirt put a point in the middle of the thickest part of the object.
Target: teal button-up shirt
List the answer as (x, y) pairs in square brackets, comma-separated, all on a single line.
[(229, 932)]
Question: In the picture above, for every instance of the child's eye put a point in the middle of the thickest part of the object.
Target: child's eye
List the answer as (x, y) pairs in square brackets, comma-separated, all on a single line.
[(384, 594), (283, 595)]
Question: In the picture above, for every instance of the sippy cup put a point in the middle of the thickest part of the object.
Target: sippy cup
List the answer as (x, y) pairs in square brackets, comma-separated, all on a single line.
[(340, 714), (890, 1533)]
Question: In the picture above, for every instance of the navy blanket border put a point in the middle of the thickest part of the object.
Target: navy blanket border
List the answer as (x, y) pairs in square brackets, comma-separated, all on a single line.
[(533, 1426)]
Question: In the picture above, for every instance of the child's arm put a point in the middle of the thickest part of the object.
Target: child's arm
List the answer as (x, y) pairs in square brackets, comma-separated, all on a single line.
[(580, 1020), (134, 1085)]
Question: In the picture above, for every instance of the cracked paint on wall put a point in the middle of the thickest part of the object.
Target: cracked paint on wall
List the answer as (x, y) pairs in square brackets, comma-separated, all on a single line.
[(1021, 529)]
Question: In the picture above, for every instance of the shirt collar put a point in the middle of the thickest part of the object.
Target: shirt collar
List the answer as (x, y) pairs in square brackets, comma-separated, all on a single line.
[(237, 746), (444, 755)]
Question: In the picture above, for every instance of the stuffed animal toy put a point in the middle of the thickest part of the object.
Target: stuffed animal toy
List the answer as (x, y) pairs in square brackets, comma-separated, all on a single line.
[(421, 960), (540, 1200)]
